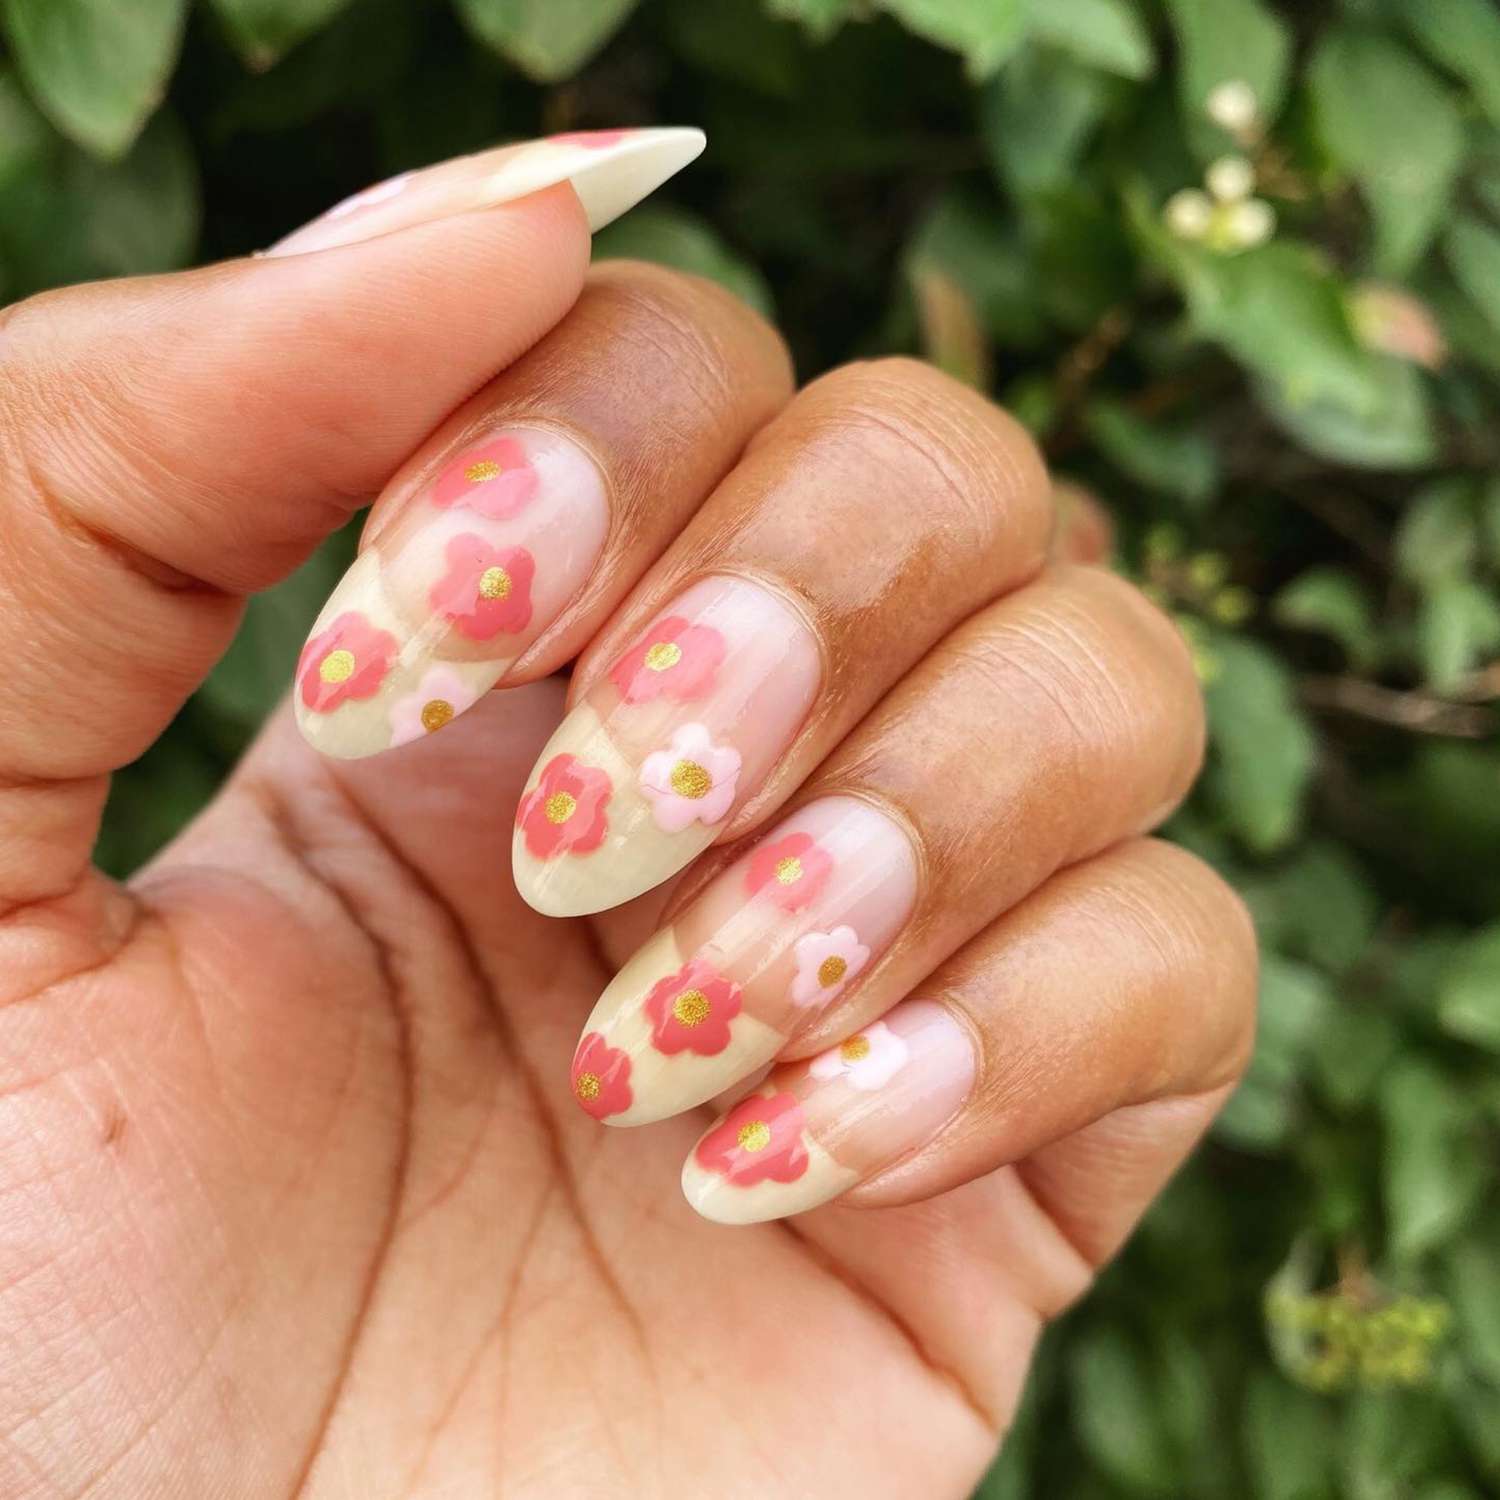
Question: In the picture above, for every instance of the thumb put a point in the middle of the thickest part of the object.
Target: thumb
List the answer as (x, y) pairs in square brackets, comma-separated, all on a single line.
[(169, 444)]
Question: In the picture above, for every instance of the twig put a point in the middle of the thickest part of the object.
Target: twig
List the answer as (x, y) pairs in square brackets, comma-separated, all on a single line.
[(1421, 713)]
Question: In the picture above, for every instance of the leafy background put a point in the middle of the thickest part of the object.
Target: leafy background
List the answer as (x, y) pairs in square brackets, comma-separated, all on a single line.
[(1294, 420)]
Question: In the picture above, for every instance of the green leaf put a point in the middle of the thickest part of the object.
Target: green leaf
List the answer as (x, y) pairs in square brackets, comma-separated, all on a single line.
[(1458, 626), (1263, 747), (25, 137), (1178, 459), (546, 39), (1437, 540), (1319, 905), (821, 17), (1260, 1114), (983, 32), (1115, 1413), (1396, 129), (1230, 41), (97, 67), (1469, 1000), (1296, 1003), (1473, 252), (1353, 1053), (1106, 34), (1390, 427), (1464, 36), (69, 217), (1474, 1287), (263, 30), (1288, 1437), (1434, 1168), (673, 236), (1332, 603), (1038, 116)]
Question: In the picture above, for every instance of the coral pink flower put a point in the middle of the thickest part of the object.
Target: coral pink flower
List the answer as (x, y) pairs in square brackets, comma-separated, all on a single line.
[(760, 1137), (691, 1010), (868, 1060), (601, 1077), (348, 660), (692, 780), (672, 658), (496, 479), (486, 589), (438, 698), (590, 140), (791, 871), (826, 962), (564, 812)]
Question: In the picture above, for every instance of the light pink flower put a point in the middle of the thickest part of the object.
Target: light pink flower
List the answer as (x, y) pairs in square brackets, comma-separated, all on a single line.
[(868, 1060), (826, 962), (439, 697), (590, 140), (692, 780)]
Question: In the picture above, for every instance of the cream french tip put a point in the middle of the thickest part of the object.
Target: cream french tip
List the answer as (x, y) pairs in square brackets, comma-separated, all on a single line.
[(814, 1129), (610, 170), (759, 955), (482, 558), (644, 773)]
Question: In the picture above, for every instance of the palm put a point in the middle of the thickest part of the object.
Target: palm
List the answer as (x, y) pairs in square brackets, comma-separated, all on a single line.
[(296, 1168)]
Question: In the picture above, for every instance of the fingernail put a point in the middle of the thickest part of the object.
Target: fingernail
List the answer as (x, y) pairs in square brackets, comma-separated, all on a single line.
[(753, 960), (474, 567), (646, 770), (816, 1128), (610, 170)]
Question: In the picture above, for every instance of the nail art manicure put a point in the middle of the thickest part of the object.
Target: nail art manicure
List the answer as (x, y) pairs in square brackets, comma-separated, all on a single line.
[(610, 170), (645, 771), (475, 566), (754, 959), (816, 1128)]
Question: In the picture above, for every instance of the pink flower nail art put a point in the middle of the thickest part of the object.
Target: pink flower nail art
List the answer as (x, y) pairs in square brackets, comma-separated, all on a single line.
[(565, 812), (497, 480), (674, 660), (868, 1060), (438, 698), (760, 1138), (791, 871), (693, 780), (826, 962), (601, 1077), (590, 140), (690, 1010), (348, 660), (486, 589)]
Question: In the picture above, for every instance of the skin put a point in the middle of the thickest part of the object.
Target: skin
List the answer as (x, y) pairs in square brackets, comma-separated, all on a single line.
[(293, 1197)]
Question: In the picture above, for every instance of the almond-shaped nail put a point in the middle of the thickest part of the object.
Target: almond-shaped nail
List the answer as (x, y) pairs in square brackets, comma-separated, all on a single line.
[(643, 774), (816, 1128), (475, 566), (755, 958), (610, 170)]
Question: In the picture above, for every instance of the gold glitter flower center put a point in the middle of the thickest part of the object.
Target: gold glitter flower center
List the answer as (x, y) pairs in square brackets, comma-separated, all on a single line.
[(691, 1007), (337, 666), (435, 713), (832, 969), (587, 1086), (689, 779), (856, 1049), (789, 870), (661, 655), (482, 472), (755, 1135), (560, 807), (494, 583)]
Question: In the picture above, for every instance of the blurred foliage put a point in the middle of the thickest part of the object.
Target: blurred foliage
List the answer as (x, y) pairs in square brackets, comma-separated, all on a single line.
[(1238, 266)]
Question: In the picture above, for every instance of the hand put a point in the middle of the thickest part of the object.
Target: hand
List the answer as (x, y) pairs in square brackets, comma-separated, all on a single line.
[(293, 1196)]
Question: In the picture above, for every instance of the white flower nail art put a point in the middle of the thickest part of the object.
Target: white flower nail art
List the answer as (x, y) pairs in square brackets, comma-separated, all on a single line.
[(441, 695), (868, 1060), (826, 962), (692, 780)]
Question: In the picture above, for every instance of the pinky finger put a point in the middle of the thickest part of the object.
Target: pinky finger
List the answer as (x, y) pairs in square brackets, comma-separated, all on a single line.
[(1124, 981)]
